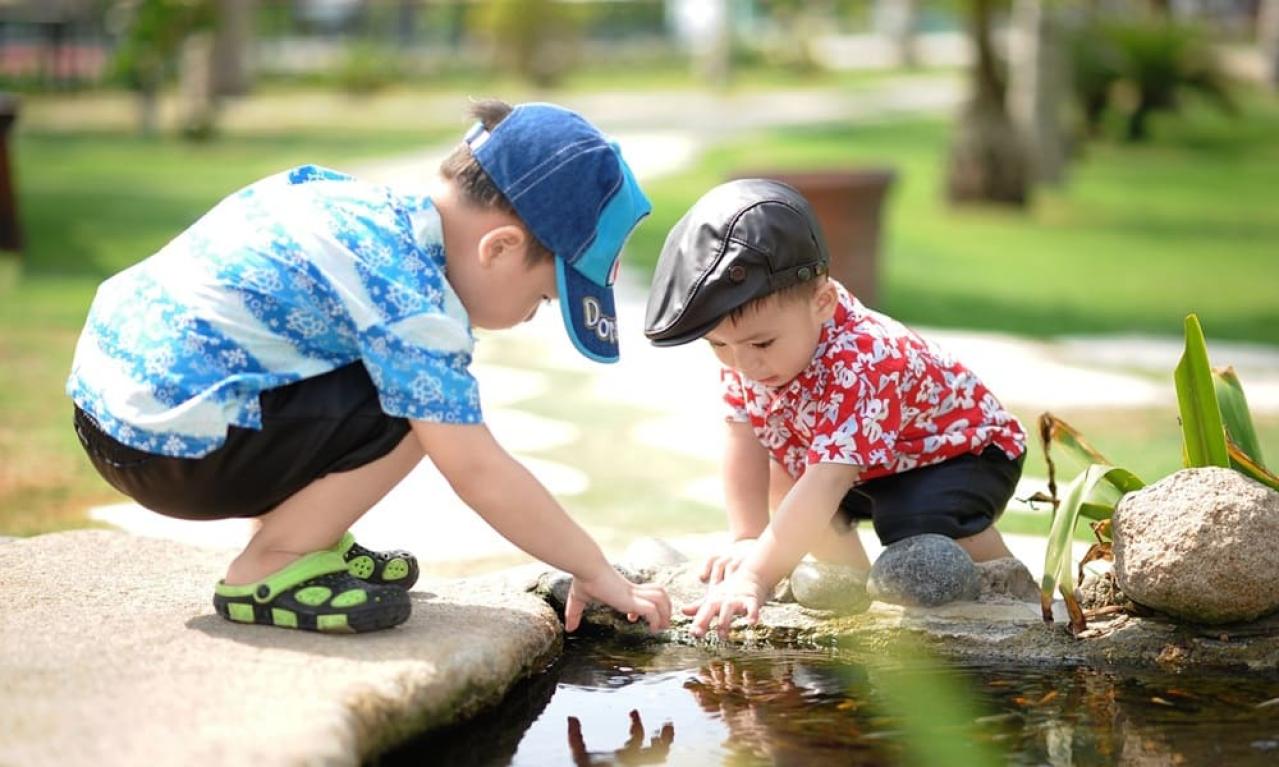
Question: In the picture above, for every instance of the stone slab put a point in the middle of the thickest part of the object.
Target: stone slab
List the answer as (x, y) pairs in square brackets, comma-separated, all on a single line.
[(110, 653)]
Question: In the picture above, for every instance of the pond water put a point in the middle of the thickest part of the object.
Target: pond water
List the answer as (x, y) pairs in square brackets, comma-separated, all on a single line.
[(603, 703)]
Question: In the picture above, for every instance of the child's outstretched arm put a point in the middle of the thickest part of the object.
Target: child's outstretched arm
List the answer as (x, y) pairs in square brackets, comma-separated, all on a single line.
[(745, 478), (511, 499), (804, 516)]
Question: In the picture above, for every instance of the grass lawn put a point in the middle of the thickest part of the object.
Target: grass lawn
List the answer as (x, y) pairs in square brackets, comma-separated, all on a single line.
[(1138, 237)]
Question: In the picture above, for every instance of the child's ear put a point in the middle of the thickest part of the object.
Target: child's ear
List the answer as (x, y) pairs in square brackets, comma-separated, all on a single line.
[(504, 241), (825, 300)]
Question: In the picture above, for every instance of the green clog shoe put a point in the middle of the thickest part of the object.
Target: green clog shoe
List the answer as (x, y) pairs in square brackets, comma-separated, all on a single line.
[(315, 593)]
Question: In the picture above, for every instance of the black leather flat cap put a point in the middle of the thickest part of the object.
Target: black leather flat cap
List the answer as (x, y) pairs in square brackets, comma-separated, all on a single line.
[(742, 240)]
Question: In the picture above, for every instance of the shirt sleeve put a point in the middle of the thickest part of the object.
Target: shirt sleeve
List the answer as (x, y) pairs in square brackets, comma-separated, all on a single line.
[(419, 382), (858, 418), (734, 396)]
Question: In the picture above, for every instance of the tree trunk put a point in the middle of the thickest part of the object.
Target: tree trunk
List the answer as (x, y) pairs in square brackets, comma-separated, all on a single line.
[(231, 47), (197, 108), (1037, 88), (898, 20), (1268, 40), (987, 160)]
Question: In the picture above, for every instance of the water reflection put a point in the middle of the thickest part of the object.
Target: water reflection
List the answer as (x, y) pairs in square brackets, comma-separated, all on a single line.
[(603, 705)]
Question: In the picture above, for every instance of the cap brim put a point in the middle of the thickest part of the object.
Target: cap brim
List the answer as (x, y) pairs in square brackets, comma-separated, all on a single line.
[(590, 314)]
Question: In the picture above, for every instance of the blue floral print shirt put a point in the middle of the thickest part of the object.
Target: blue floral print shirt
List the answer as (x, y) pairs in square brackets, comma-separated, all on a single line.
[(289, 278)]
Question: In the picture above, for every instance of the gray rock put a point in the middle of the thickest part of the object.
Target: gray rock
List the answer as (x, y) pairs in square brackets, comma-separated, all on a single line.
[(822, 586), (924, 571), (113, 655), (1007, 578), (1200, 545), (553, 587)]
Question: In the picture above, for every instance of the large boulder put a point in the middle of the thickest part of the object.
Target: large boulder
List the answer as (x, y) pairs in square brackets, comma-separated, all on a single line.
[(1200, 545)]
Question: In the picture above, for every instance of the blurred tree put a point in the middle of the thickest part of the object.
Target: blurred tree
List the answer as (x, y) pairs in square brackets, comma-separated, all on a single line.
[(987, 158), (535, 39), (153, 34), (1037, 86), (1268, 38), (898, 20), (1140, 67), (232, 40)]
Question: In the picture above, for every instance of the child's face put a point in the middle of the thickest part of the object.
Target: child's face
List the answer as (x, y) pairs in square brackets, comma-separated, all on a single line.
[(512, 294), (774, 342)]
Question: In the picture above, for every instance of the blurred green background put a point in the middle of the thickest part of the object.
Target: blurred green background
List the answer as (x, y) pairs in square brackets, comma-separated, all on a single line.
[(1134, 178)]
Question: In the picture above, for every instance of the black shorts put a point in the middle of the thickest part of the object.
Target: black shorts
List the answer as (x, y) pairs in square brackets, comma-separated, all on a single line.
[(956, 498), (329, 423)]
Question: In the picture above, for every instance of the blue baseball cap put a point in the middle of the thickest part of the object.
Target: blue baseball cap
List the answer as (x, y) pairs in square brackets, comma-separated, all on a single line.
[(572, 189)]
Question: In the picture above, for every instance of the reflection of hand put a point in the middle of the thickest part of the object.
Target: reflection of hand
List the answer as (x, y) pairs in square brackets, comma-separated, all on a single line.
[(634, 599), (720, 566), (741, 593), (634, 752), (742, 700)]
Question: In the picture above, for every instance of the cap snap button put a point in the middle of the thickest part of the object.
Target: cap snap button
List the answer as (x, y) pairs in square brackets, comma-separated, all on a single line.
[(737, 273), (805, 274)]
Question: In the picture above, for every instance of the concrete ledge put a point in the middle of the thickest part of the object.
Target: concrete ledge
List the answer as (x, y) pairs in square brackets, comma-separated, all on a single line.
[(112, 654)]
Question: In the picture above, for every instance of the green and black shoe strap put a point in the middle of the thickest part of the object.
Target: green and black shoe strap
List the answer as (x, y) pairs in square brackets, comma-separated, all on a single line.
[(396, 568), (315, 593)]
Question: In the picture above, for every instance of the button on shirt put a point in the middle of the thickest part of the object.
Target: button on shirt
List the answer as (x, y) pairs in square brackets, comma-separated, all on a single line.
[(289, 278), (875, 395)]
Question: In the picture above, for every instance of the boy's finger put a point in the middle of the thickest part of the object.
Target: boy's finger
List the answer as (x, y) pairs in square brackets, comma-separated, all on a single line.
[(720, 564), (752, 611), (691, 609), (706, 567), (726, 613), (572, 612), (703, 619)]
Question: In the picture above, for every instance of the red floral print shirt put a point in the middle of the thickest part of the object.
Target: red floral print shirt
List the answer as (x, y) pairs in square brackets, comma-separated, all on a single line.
[(876, 395)]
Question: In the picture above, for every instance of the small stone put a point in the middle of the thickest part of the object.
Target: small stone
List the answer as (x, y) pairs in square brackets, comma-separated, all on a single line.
[(822, 586), (1007, 578), (924, 571)]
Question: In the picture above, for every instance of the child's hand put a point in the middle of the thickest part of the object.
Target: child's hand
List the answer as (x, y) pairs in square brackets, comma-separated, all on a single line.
[(720, 566), (635, 599), (742, 593)]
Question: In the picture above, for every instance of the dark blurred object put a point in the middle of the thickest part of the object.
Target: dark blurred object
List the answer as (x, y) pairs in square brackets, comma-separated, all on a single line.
[(51, 43), (10, 231), (848, 204)]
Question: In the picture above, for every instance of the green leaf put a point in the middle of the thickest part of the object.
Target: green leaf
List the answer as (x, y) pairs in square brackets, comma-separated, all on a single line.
[(1095, 491), (1202, 433), (1235, 415), (1245, 465)]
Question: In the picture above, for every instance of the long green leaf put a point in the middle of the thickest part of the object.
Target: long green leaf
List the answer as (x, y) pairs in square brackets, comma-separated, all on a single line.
[(1202, 433), (1235, 415), (1244, 465), (1098, 489)]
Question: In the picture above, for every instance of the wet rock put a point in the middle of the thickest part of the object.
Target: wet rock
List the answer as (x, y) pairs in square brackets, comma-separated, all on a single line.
[(1006, 578), (553, 586), (1200, 545), (838, 588), (925, 571)]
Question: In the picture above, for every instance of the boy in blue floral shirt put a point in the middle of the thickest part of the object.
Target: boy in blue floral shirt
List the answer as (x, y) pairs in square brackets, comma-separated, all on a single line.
[(298, 350)]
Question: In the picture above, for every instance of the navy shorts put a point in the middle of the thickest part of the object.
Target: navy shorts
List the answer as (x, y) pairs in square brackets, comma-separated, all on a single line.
[(956, 498), (330, 423)]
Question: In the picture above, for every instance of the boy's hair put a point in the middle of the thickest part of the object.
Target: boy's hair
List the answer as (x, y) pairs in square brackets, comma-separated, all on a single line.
[(792, 294), (475, 186)]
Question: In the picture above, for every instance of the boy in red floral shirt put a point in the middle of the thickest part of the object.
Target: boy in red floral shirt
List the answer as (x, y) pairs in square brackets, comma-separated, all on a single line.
[(837, 413)]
